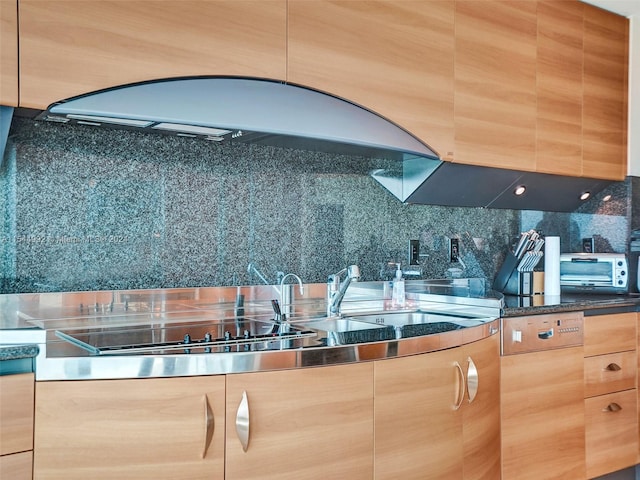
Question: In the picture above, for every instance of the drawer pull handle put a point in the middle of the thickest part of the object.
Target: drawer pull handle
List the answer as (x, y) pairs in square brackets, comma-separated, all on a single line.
[(242, 422), (612, 407), (209, 426), (613, 367), (461, 387)]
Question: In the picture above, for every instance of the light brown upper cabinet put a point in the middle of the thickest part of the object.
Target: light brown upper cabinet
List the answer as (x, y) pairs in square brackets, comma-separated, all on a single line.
[(559, 88), (605, 94), (393, 57), (9, 53), (68, 48), (495, 83)]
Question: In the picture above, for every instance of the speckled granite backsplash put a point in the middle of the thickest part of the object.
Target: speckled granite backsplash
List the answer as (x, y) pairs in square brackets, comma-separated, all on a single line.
[(86, 209)]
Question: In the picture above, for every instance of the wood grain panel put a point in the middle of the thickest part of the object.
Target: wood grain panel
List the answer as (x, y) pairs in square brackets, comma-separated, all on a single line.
[(481, 418), (9, 53), (418, 434), (18, 466), (312, 423), (134, 429), (495, 83), (16, 413), (542, 399), (559, 88), (611, 436), (68, 48), (605, 94), (600, 378), (609, 333), (392, 57)]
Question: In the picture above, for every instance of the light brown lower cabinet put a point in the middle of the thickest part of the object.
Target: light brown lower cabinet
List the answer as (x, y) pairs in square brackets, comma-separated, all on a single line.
[(16, 426), (427, 424), (543, 419), (17, 466), (159, 428), (611, 411), (611, 432), (310, 423)]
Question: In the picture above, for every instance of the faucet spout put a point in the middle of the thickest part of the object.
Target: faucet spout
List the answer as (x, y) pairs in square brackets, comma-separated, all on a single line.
[(336, 289), (286, 293)]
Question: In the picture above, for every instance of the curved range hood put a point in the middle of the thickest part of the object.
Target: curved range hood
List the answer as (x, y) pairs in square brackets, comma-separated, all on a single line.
[(223, 109)]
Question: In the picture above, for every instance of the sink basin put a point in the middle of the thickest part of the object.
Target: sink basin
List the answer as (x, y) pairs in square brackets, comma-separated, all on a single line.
[(345, 331), (415, 324)]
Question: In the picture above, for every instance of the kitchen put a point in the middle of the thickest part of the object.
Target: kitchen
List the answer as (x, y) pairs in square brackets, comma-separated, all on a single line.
[(126, 211)]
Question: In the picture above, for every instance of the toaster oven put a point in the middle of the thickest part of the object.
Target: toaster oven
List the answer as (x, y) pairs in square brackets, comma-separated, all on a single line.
[(594, 272)]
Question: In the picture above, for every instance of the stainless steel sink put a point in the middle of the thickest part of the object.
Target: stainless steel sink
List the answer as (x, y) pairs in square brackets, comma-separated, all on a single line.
[(414, 324), (347, 330)]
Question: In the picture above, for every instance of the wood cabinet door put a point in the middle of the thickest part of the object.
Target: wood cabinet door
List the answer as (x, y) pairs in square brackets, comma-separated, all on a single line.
[(160, 428), (609, 333), (312, 423), (611, 432), (17, 466), (559, 88), (542, 415), (394, 57), (418, 432), (9, 53), (69, 48), (495, 83), (481, 416), (16, 413), (605, 94)]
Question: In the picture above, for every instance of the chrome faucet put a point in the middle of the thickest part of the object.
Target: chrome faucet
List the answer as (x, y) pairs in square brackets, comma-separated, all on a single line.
[(285, 292), (336, 289)]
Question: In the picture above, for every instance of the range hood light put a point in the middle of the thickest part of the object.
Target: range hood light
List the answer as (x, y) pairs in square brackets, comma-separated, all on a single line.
[(585, 195), (196, 130), (113, 121), (520, 189), (84, 122), (606, 198), (215, 139)]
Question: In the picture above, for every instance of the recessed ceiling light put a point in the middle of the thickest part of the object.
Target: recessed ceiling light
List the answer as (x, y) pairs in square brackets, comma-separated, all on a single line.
[(585, 195), (606, 198), (520, 189)]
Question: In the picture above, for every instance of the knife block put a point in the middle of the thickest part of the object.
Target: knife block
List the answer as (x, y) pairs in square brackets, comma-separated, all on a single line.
[(512, 282)]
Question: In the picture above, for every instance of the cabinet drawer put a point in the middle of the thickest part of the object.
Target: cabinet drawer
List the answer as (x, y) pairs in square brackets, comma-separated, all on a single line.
[(609, 373), (611, 428), (609, 333), (16, 414), (18, 466)]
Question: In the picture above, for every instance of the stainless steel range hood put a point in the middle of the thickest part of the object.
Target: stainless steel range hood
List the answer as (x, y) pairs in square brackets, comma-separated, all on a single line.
[(222, 109)]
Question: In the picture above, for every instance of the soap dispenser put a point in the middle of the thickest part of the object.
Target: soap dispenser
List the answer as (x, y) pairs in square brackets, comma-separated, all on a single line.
[(397, 297)]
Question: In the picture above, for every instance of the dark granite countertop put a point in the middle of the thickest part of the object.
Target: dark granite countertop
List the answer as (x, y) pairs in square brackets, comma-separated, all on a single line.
[(590, 304), (16, 352)]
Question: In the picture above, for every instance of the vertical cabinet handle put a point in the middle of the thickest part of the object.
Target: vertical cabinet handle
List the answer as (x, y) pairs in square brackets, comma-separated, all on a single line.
[(612, 407), (613, 367), (461, 387), (242, 422), (472, 380), (208, 426)]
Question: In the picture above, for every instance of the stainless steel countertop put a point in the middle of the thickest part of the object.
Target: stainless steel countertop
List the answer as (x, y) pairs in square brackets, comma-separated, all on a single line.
[(35, 318)]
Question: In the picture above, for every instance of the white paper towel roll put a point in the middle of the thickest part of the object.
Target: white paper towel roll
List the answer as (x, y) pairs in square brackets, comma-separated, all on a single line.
[(552, 266)]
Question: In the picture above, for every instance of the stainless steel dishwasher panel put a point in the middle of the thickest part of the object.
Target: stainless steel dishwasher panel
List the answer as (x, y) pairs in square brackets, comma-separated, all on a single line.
[(536, 333)]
